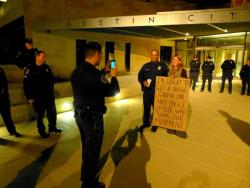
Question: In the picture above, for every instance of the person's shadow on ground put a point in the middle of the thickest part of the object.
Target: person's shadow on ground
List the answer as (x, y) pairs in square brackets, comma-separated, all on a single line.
[(130, 161), (239, 127)]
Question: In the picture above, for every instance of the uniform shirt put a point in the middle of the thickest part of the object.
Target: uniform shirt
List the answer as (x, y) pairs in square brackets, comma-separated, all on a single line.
[(90, 86), (26, 57), (245, 72), (149, 71), (3, 84), (228, 66), (195, 66), (38, 82), (208, 67)]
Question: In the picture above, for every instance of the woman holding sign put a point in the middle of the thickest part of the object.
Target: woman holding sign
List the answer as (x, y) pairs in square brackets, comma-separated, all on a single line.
[(177, 70)]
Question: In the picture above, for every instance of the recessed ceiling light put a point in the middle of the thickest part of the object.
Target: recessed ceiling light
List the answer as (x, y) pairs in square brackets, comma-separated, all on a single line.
[(225, 30), (187, 34)]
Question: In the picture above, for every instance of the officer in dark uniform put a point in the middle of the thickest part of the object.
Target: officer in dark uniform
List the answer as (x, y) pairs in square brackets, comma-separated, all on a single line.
[(90, 86), (26, 57), (207, 68), (245, 77), (39, 90), (5, 109), (228, 67), (147, 79), (194, 71)]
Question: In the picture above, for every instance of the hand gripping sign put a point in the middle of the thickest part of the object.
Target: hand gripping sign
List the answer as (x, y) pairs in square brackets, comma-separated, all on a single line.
[(171, 103)]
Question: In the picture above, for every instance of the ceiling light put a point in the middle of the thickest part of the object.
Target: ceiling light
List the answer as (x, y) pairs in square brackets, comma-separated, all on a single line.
[(225, 30), (187, 34), (185, 39), (3, 0)]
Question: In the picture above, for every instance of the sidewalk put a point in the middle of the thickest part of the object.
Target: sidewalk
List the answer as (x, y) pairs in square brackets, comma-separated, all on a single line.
[(216, 153)]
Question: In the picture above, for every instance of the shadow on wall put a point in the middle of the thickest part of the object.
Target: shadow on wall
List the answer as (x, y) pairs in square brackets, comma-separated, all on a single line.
[(239, 127), (194, 179), (130, 161)]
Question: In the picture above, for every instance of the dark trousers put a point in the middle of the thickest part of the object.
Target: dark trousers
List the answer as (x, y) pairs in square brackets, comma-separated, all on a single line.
[(205, 77), (229, 77), (42, 106), (91, 130), (193, 76), (244, 83), (148, 101), (5, 111)]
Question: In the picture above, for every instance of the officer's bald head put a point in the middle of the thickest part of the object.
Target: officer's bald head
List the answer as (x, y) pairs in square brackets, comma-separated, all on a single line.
[(154, 55)]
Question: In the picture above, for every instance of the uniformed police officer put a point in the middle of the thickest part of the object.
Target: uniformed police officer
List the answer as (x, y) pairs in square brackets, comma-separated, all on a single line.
[(245, 77), (90, 86), (39, 90), (147, 78), (207, 68), (228, 67), (26, 57), (194, 71), (5, 105)]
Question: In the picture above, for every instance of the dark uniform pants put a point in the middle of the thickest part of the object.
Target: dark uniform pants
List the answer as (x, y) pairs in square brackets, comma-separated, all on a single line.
[(148, 101), (40, 106), (5, 111), (205, 77), (244, 83), (193, 76), (225, 76), (91, 130)]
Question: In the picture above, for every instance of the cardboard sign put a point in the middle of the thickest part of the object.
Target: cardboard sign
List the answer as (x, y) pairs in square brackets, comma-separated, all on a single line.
[(171, 103)]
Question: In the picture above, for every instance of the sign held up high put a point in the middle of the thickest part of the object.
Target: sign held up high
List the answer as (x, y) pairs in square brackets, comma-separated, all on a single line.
[(171, 103)]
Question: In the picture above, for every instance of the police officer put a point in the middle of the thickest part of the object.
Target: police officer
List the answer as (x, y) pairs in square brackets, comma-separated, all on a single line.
[(207, 68), (245, 77), (26, 57), (228, 67), (147, 78), (90, 86), (5, 109), (194, 71), (39, 90)]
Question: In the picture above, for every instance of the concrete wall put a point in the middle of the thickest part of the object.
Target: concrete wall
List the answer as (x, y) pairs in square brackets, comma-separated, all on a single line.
[(61, 50), (10, 11)]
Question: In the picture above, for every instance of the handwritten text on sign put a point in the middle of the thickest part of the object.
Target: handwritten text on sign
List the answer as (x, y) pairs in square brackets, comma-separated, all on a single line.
[(171, 103)]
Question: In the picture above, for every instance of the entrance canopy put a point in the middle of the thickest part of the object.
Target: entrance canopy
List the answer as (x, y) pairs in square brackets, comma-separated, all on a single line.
[(176, 24)]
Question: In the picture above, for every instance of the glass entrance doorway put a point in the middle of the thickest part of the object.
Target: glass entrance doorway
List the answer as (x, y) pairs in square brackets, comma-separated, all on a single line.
[(219, 55)]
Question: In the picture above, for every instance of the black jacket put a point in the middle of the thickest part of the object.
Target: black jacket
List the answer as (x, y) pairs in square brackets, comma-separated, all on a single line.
[(38, 82), (195, 66), (208, 67), (245, 72), (228, 66), (149, 71), (90, 86), (25, 58)]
